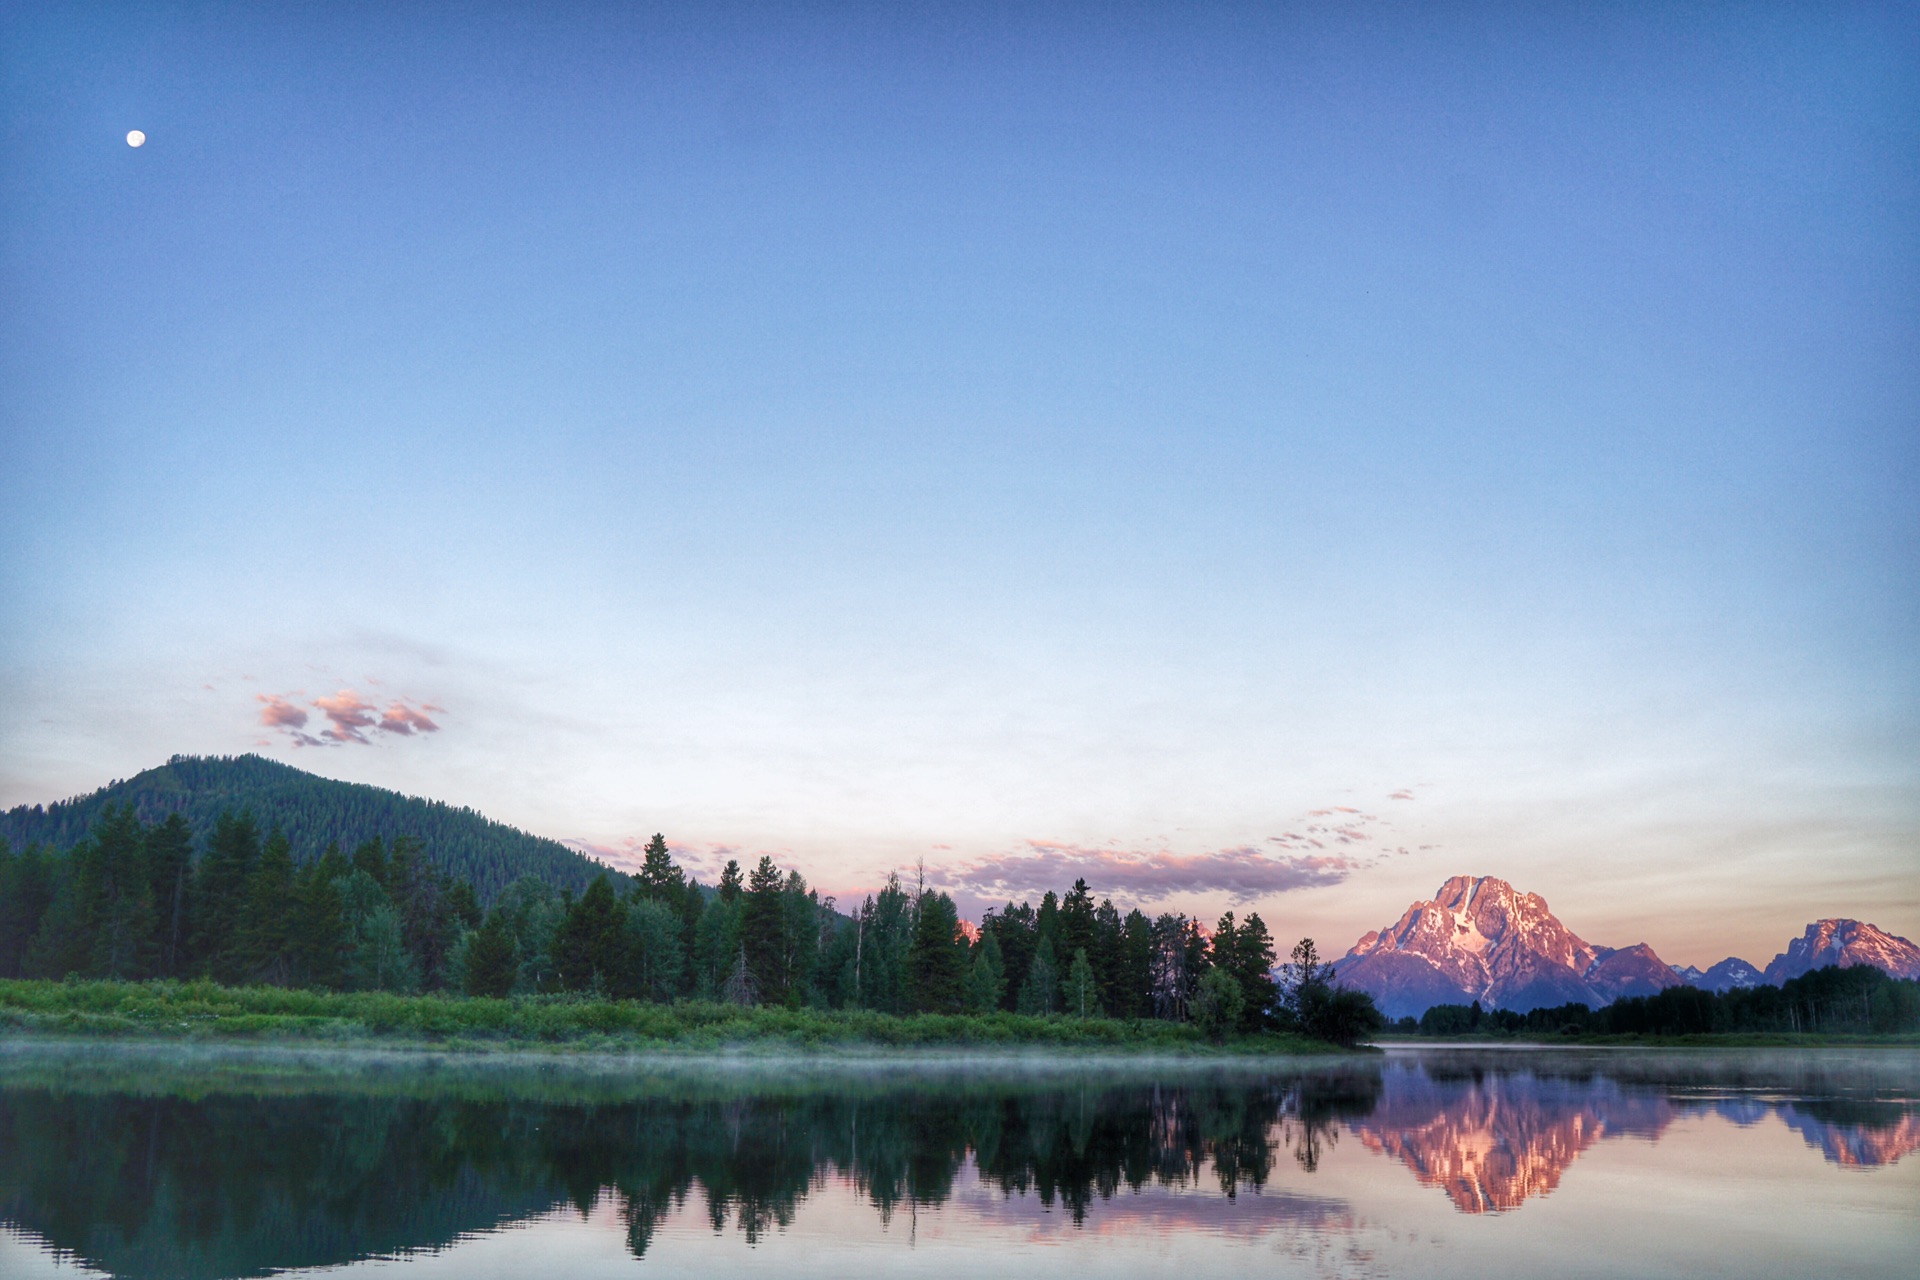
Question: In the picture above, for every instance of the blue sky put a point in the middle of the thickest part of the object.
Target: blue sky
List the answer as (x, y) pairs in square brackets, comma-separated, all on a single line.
[(997, 435)]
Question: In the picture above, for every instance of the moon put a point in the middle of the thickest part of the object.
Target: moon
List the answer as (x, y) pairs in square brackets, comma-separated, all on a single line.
[(136, 139)]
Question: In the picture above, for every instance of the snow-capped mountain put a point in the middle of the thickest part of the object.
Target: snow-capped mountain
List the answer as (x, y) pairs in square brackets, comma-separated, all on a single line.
[(1731, 974), (1480, 939), (1845, 942)]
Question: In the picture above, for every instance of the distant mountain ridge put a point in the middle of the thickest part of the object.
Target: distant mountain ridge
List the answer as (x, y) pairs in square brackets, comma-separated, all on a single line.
[(1731, 974), (1479, 939), (314, 812)]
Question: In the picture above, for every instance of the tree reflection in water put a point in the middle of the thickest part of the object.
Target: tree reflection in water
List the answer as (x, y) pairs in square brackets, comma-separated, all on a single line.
[(181, 1175)]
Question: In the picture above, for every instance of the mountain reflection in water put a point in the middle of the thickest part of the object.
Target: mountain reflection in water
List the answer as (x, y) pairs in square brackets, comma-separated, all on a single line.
[(176, 1173)]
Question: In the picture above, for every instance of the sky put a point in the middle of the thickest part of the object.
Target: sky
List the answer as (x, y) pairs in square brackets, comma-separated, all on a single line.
[(1258, 457)]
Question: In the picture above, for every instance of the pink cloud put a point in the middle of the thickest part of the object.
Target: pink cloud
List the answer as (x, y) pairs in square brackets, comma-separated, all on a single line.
[(350, 718), (350, 714), (279, 713), (401, 718)]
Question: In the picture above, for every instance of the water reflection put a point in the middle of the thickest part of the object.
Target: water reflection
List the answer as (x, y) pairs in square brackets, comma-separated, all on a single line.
[(185, 1170)]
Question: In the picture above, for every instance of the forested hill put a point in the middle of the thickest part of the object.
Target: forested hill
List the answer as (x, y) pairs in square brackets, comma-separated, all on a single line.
[(314, 812)]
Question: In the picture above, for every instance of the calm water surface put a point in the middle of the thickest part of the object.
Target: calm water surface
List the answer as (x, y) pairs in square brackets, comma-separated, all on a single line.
[(154, 1162)]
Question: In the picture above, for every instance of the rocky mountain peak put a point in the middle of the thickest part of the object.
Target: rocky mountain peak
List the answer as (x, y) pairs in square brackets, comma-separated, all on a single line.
[(1478, 938), (1845, 942)]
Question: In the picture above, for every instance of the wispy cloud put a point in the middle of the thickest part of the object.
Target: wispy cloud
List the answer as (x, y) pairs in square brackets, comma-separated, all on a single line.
[(350, 718), (1242, 874)]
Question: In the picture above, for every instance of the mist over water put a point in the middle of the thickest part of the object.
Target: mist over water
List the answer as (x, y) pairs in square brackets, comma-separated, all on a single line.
[(192, 1164)]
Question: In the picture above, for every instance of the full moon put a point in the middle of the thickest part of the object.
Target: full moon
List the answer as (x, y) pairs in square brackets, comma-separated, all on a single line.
[(136, 138)]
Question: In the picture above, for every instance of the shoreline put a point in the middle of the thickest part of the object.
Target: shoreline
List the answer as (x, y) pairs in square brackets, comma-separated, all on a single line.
[(205, 1013)]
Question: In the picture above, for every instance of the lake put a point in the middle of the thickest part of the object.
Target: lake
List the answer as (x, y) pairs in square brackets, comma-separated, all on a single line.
[(153, 1161)]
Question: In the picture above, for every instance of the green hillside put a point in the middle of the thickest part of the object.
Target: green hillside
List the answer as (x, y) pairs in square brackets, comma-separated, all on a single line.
[(314, 812)]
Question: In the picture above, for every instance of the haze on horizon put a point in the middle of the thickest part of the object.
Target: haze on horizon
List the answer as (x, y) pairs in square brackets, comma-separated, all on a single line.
[(1213, 451)]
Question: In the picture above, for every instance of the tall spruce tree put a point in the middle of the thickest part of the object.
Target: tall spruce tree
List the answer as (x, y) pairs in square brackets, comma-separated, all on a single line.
[(491, 965), (317, 941), (170, 872), (1081, 995), (763, 931), (116, 896), (590, 948), (264, 949), (937, 957), (1040, 993), (219, 889), (26, 891), (985, 985)]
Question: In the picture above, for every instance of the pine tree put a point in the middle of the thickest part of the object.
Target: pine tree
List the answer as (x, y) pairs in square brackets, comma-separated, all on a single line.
[(1015, 929), (264, 951), (377, 956), (317, 942), (653, 943), (937, 957), (1133, 969), (63, 944), (1081, 996), (170, 873), (491, 967), (803, 935), (589, 950), (1245, 952), (219, 889), (986, 981), (26, 891), (730, 882), (117, 896), (763, 931), (1041, 991), (371, 857), (1076, 928), (463, 905), (659, 879)]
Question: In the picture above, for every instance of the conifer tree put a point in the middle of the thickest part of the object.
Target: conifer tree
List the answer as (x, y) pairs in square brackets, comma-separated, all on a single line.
[(653, 945), (170, 872), (730, 882), (937, 957), (116, 896), (1076, 927), (317, 942), (1041, 991), (263, 951), (63, 944), (1081, 996), (763, 931), (26, 891), (986, 981), (219, 888), (377, 956), (491, 967), (659, 878), (589, 950)]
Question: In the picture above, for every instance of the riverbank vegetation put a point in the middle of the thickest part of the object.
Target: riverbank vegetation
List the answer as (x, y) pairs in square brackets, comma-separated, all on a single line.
[(1827, 1005), (232, 907), (205, 1010)]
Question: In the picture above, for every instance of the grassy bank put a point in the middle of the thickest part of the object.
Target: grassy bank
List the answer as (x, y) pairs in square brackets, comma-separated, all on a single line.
[(1694, 1040), (203, 1011)]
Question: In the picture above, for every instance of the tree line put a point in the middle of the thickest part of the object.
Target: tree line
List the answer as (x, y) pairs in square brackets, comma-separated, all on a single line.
[(134, 900), (1856, 1000)]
